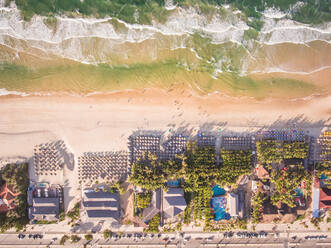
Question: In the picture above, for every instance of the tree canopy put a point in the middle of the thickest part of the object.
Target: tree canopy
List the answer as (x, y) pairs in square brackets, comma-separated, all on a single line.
[(286, 181), (147, 172), (144, 199), (269, 151), (200, 167), (295, 150), (234, 164)]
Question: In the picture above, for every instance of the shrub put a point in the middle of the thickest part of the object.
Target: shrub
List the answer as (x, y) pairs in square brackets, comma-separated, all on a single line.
[(257, 206), (62, 216), (153, 225), (75, 238), (88, 237), (74, 213), (144, 199), (107, 233), (64, 239)]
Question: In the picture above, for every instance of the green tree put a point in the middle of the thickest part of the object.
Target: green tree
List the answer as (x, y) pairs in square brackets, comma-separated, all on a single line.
[(107, 233), (200, 167), (75, 238), (153, 225), (234, 164), (147, 172), (269, 151), (286, 181), (64, 239), (88, 237), (143, 199)]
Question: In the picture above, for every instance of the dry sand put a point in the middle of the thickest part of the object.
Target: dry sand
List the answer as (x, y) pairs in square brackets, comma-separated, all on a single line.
[(103, 123)]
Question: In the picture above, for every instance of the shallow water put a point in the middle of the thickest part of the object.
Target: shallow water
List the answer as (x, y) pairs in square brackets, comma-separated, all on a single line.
[(82, 56)]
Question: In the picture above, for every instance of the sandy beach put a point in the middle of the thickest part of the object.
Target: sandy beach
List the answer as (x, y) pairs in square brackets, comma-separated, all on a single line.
[(104, 122)]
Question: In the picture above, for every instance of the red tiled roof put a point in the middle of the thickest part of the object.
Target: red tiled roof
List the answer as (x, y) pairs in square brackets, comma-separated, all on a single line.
[(261, 172), (325, 198), (3, 208), (7, 196)]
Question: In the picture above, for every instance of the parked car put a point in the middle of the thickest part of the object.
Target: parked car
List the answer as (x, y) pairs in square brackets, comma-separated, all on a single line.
[(187, 238), (210, 238), (263, 234), (21, 236)]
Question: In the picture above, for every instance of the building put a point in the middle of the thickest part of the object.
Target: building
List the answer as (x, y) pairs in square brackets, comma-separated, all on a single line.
[(154, 208), (325, 198), (173, 202), (7, 198), (44, 209), (44, 201), (233, 204), (100, 205), (261, 172)]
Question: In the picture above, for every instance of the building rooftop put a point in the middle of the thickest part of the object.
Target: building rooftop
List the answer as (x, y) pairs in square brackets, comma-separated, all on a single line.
[(44, 208), (325, 198), (91, 194), (154, 207), (7, 197), (233, 204), (101, 205), (49, 202), (102, 214), (173, 202)]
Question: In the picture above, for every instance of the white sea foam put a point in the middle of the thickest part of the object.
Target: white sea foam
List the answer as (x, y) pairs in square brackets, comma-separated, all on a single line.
[(274, 13), (276, 69), (73, 38), (4, 92)]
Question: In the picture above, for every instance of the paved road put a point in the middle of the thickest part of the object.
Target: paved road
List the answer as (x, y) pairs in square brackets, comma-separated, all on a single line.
[(190, 240)]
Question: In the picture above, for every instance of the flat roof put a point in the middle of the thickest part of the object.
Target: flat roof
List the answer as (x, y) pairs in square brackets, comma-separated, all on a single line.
[(101, 204), (101, 195), (102, 214)]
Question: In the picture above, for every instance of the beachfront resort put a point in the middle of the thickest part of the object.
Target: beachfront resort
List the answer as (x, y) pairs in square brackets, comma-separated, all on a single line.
[(169, 182)]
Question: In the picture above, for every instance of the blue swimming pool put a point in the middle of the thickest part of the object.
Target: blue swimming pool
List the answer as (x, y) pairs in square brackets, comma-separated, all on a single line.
[(173, 183), (299, 192), (219, 205), (218, 191)]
